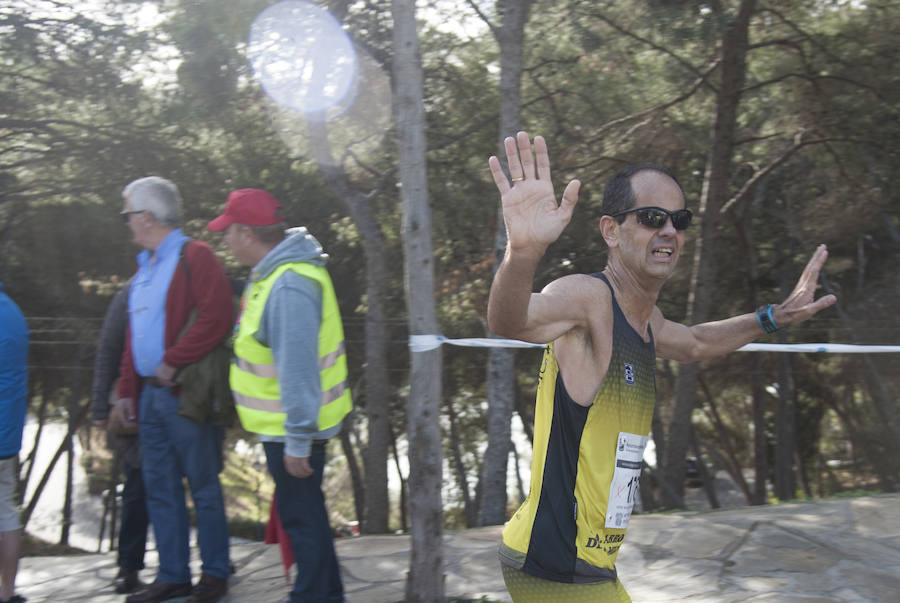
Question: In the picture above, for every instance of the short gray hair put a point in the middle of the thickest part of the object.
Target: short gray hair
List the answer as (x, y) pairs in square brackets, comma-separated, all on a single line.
[(158, 196)]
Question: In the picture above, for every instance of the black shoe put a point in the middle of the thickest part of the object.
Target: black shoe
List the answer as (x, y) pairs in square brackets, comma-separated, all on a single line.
[(160, 591), (127, 581), (208, 589), (14, 599)]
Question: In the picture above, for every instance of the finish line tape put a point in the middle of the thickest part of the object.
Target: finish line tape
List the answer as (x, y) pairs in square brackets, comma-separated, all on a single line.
[(424, 343)]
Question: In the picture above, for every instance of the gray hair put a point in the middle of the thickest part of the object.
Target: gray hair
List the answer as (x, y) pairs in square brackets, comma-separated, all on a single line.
[(158, 196)]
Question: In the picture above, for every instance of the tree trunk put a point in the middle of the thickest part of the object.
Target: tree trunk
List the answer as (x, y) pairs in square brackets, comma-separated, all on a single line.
[(375, 518), (501, 373), (23, 481), (785, 428), (462, 480), (714, 195), (519, 483), (527, 418), (69, 440), (63, 446), (760, 439), (426, 580), (501, 369), (801, 472), (359, 492), (658, 433), (708, 477), (742, 222), (648, 501), (882, 398), (725, 439), (404, 522)]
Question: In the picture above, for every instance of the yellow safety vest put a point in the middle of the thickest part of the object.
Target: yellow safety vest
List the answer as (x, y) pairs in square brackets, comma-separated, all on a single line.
[(253, 376)]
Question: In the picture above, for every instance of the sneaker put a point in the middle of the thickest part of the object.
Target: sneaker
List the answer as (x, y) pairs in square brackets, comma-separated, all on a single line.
[(208, 589)]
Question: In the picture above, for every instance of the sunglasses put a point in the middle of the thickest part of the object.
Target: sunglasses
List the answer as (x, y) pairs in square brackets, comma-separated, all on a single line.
[(126, 214), (655, 217)]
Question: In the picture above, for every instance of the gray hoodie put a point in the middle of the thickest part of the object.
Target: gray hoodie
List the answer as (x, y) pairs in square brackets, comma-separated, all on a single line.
[(290, 328)]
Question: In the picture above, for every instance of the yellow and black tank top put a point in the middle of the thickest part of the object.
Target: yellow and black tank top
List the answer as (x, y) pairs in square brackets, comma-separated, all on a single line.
[(560, 532)]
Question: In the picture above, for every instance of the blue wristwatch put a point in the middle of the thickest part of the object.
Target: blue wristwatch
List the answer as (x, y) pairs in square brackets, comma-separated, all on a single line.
[(765, 319)]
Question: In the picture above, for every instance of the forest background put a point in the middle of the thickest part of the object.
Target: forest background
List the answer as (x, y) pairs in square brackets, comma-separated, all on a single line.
[(782, 120)]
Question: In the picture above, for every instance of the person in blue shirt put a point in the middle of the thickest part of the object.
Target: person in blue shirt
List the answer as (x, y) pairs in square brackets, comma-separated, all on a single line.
[(180, 309), (13, 404)]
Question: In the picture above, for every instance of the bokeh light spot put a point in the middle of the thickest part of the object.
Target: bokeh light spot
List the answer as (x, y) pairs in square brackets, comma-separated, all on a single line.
[(303, 58)]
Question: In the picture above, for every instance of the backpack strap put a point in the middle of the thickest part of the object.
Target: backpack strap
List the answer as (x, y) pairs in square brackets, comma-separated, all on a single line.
[(181, 260)]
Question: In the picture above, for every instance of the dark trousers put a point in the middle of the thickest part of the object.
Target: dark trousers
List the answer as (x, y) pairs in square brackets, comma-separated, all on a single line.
[(133, 529), (301, 508)]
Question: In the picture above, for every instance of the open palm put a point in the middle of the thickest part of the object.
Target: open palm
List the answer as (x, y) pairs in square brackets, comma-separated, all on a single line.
[(801, 303), (533, 217)]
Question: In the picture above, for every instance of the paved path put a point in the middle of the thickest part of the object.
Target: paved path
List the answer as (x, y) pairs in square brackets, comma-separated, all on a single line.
[(836, 550)]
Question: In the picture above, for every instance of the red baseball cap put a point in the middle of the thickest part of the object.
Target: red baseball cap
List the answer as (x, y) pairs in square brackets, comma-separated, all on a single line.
[(250, 206)]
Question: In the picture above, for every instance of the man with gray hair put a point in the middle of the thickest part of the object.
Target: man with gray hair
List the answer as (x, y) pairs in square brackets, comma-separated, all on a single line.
[(179, 310)]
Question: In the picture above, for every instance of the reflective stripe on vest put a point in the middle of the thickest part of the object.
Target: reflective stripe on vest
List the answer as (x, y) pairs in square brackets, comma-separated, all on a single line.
[(254, 377), (270, 405)]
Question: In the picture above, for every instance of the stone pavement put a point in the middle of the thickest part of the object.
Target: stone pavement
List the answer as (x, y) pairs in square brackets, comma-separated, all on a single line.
[(834, 550)]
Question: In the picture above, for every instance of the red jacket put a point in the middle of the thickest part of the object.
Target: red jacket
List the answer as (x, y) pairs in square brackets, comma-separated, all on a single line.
[(208, 290)]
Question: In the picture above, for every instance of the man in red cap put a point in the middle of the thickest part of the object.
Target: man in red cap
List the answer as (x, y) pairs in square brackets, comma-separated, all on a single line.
[(290, 375)]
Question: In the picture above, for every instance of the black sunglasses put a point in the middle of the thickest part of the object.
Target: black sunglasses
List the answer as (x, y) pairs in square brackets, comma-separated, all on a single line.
[(125, 214), (655, 217)]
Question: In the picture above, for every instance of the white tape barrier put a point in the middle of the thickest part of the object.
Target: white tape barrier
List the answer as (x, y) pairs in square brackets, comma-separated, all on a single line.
[(424, 343), (827, 348)]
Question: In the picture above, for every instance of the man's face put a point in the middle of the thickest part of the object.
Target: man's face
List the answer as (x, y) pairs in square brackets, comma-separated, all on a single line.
[(652, 251), (137, 223), (236, 240)]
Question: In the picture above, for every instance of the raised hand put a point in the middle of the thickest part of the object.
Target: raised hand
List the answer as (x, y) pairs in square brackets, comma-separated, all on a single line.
[(532, 215), (801, 303)]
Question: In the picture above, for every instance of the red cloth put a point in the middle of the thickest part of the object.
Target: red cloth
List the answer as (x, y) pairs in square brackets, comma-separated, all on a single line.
[(209, 291), (275, 534)]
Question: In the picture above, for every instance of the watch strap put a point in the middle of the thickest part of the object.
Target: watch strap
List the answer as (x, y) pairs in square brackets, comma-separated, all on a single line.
[(765, 319)]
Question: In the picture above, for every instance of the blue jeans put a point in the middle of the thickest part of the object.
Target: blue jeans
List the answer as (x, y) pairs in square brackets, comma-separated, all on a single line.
[(173, 448), (133, 529), (301, 508)]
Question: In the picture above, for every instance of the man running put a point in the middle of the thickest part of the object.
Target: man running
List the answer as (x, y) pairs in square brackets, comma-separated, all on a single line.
[(597, 385)]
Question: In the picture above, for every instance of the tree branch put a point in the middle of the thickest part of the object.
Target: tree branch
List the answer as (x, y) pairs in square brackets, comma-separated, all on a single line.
[(683, 62), (494, 30), (750, 184)]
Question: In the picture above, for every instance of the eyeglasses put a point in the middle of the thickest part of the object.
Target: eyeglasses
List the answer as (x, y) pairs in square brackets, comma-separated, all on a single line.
[(125, 214), (655, 217)]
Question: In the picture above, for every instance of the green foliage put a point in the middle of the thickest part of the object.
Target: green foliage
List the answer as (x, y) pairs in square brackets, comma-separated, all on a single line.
[(86, 106)]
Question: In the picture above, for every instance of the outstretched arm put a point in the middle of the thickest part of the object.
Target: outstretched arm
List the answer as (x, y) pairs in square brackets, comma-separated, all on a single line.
[(710, 339), (533, 221)]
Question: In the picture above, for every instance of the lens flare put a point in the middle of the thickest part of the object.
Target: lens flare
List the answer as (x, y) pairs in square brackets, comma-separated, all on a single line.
[(303, 58), (327, 98)]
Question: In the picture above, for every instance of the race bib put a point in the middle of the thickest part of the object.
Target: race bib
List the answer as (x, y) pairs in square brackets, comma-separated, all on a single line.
[(624, 488)]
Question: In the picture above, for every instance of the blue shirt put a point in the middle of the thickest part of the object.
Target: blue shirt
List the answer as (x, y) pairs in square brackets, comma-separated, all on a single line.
[(147, 302), (13, 375)]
